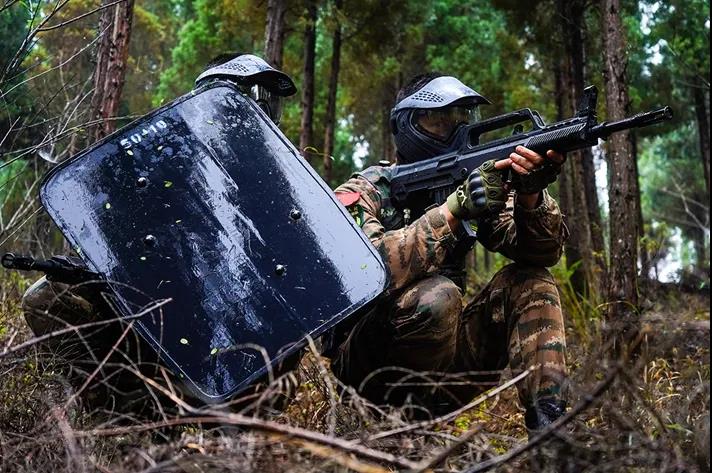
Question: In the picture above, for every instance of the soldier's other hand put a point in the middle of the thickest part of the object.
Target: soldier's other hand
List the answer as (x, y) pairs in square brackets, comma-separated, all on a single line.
[(482, 193), (534, 172)]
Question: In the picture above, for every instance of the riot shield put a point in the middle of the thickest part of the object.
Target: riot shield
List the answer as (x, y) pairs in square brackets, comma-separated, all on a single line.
[(205, 203)]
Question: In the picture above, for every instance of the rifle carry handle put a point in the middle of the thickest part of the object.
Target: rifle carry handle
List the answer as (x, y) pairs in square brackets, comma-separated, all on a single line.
[(501, 121)]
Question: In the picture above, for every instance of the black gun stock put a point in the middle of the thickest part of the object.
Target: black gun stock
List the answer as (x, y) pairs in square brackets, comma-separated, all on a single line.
[(58, 268), (439, 176)]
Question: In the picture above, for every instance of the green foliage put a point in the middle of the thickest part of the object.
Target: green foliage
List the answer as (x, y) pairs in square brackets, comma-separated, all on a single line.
[(580, 310), (14, 26), (216, 27), (673, 189), (506, 50)]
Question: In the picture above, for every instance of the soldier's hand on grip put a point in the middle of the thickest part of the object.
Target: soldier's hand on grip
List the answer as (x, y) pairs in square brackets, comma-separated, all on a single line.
[(533, 173), (482, 194)]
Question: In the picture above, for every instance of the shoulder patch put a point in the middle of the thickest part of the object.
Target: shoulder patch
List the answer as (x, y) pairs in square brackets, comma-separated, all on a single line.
[(348, 198)]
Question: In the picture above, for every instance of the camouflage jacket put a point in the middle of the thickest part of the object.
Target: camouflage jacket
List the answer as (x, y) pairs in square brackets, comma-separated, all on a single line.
[(413, 250)]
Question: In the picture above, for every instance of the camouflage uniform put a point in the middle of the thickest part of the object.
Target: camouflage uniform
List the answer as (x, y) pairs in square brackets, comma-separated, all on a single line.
[(50, 306), (420, 325)]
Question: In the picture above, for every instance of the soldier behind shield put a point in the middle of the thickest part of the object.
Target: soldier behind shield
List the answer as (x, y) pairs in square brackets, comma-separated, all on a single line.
[(420, 326)]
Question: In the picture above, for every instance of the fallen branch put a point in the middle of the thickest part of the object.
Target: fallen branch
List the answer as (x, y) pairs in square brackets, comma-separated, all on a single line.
[(257, 424), (551, 428), (443, 455), (453, 414), (76, 328)]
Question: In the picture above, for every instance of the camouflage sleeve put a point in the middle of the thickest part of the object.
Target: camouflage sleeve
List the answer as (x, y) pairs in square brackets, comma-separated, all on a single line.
[(535, 237), (409, 253)]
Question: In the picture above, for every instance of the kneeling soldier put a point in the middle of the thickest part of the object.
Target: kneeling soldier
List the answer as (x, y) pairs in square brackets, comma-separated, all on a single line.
[(419, 326)]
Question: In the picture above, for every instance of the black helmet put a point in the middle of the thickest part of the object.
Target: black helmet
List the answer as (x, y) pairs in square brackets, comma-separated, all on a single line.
[(425, 123), (265, 84)]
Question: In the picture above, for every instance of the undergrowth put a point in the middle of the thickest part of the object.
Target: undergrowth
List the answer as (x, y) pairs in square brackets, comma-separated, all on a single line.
[(652, 414)]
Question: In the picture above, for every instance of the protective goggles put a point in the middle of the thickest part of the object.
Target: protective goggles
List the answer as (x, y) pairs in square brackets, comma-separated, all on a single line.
[(270, 103), (441, 123)]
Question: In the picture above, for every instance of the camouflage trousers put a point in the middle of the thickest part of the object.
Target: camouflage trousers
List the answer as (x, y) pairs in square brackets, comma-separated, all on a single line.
[(422, 346)]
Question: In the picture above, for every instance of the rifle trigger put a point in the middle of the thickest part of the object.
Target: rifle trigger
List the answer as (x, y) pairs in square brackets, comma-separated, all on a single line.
[(508, 179), (468, 228)]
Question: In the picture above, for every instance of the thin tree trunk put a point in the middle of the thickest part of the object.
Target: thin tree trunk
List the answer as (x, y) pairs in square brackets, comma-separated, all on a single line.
[(703, 129), (581, 169), (566, 193), (110, 71), (388, 152), (644, 257), (487, 260), (330, 120), (702, 262), (622, 178), (274, 32), (306, 131)]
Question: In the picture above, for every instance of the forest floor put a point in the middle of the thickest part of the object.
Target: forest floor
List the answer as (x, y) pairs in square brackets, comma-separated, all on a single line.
[(645, 414)]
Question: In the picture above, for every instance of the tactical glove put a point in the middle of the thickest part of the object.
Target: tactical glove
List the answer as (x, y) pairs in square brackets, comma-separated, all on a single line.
[(537, 180), (481, 194)]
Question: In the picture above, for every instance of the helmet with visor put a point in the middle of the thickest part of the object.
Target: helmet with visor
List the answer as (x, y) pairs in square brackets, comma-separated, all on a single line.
[(266, 85), (426, 122)]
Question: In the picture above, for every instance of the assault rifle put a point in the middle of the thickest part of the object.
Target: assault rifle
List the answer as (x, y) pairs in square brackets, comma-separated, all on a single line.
[(439, 176), (64, 269)]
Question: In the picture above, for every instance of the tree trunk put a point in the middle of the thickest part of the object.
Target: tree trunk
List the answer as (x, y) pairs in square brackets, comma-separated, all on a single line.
[(386, 134), (566, 192), (582, 173), (330, 120), (703, 129), (487, 260), (110, 71), (622, 178), (274, 32), (306, 131), (388, 146), (644, 257)]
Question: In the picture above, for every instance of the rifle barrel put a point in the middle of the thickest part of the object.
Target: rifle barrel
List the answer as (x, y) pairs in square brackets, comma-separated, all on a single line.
[(605, 129)]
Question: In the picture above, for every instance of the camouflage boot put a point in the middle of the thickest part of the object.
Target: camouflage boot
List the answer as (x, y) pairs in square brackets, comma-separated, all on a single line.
[(542, 413)]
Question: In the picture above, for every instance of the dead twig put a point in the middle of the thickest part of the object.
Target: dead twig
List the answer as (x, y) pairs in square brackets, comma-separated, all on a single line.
[(587, 401), (76, 328), (454, 414), (443, 455), (332, 454), (79, 17), (257, 424)]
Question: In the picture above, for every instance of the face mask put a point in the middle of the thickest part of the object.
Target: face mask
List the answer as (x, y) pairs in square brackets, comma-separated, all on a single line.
[(441, 123), (270, 103)]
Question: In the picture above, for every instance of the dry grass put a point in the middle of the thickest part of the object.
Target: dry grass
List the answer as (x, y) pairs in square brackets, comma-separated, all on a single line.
[(653, 415)]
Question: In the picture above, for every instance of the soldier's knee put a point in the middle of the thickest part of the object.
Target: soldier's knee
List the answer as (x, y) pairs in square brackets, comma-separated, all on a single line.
[(50, 305), (39, 296), (36, 301), (435, 305), (443, 299)]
